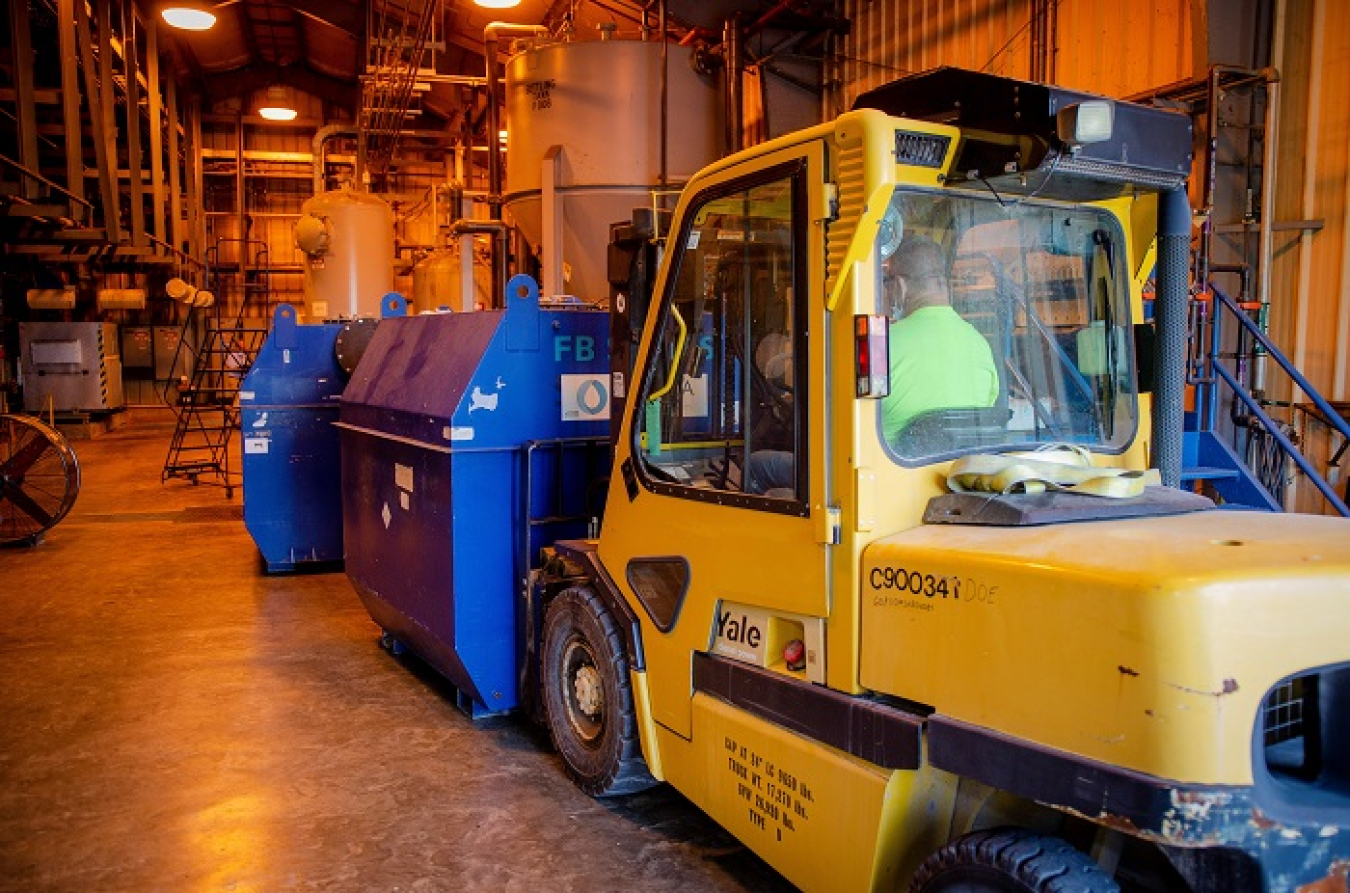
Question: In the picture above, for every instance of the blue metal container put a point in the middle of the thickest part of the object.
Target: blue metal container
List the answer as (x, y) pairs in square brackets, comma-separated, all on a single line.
[(468, 441), (288, 403)]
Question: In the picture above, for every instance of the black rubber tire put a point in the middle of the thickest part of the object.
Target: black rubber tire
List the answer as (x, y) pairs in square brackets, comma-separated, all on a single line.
[(588, 697), (1010, 860)]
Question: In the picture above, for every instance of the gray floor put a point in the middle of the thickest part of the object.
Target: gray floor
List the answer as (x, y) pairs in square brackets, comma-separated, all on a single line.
[(172, 719)]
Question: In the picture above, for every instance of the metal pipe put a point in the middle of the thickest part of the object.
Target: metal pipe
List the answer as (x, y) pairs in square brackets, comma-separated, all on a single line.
[(490, 35), (498, 231), (731, 69), (665, 92), (1169, 310), (1265, 229), (320, 141)]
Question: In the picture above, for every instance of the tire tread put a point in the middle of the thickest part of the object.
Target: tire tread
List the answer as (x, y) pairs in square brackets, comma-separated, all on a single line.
[(1028, 861)]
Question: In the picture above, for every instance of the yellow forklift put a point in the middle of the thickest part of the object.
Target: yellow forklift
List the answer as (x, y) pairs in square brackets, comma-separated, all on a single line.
[(895, 579)]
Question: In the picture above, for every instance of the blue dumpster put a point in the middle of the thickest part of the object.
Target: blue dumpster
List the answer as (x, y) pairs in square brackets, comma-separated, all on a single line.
[(288, 403), (457, 435)]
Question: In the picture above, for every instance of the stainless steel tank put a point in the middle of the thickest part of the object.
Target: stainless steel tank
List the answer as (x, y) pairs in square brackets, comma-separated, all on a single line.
[(348, 241), (437, 281), (600, 101)]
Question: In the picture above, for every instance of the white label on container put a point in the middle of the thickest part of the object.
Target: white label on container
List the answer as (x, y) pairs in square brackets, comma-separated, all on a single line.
[(584, 397), (246, 396), (461, 433), (255, 444), (617, 385), (403, 477), (694, 398)]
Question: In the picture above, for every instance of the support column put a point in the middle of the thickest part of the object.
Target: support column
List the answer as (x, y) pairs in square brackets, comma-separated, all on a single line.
[(69, 48), (21, 47)]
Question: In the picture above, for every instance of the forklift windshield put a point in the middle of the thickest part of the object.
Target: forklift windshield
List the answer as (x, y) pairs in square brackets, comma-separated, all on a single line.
[(1009, 326)]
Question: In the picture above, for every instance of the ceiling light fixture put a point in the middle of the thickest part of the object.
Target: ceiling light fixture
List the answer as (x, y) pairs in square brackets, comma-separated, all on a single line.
[(188, 17), (278, 105), (497, 4)]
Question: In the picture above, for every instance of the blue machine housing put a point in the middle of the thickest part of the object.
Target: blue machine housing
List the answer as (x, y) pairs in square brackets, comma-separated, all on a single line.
[(288, 407), (469, 440), (288, 403)]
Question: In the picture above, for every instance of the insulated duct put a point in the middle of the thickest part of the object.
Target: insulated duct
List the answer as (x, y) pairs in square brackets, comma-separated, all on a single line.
[(1170, 318)]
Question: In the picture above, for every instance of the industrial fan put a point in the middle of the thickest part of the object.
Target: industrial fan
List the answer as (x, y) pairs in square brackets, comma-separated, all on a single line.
[(39, 478)]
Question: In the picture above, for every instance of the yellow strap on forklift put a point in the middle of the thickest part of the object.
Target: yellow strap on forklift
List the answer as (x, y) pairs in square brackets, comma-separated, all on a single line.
[(1066, 469)]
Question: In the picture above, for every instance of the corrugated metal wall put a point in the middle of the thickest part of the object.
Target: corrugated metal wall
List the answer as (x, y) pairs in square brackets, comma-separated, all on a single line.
[(1113, 48), (1123, 48), (1310, 269)]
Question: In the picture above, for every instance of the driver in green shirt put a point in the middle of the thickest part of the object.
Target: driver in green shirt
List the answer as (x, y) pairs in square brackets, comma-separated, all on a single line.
[(937, 359)]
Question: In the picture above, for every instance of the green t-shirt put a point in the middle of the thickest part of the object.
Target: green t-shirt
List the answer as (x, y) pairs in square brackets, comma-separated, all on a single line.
[(938, 361)]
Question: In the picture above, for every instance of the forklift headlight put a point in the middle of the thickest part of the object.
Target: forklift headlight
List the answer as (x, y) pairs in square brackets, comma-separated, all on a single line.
[(1084, 123)]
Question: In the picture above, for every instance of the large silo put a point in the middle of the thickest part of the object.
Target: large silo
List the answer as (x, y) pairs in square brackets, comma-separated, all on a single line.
[(348, 241), (600, 102)]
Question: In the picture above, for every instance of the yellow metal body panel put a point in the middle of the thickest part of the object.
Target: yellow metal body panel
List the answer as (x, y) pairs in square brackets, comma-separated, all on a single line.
[(778, 561), (1147, 644), (824, 819)]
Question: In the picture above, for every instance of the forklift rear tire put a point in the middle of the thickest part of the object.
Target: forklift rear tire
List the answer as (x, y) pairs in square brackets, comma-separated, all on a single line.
[(588, 697), (1010, 860)]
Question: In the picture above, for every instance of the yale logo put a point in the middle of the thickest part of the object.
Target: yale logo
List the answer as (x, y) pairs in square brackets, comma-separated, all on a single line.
[(741, 634)]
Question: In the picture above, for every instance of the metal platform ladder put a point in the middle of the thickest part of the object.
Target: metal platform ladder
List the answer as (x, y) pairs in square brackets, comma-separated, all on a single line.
[(222, 351)]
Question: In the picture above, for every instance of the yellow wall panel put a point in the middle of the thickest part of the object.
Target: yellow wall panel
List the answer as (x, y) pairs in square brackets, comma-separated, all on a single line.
[(1101, 46), (1310, 269)]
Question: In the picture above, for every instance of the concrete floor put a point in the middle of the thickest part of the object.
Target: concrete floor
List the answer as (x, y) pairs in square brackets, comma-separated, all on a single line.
[(171, 719)]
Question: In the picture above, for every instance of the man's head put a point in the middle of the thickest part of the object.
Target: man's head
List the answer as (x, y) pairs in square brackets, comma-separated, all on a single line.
[(920, 270)]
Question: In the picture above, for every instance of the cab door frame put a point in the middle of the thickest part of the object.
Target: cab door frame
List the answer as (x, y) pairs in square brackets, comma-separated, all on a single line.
[(738, 549)]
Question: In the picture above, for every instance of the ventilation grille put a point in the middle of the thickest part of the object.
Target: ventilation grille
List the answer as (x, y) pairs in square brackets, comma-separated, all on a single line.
[(920, 149)]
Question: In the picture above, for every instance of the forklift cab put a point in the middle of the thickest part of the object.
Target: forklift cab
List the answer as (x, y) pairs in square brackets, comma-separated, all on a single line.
[(1045, 284)]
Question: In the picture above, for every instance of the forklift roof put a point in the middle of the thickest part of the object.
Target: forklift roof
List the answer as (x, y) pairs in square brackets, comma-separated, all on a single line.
[(1009, 137)]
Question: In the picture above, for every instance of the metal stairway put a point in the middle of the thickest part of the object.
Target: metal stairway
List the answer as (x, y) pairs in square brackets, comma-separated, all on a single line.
[(1209, 460), (207, 404), (1232, 448), (208, 408)]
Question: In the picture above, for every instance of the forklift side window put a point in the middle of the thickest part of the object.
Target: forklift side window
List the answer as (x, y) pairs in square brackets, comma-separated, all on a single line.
[(721, 417), (1044, 285)]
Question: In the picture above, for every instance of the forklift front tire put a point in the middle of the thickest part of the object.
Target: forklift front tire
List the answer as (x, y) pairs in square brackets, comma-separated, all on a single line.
[(588, 697)]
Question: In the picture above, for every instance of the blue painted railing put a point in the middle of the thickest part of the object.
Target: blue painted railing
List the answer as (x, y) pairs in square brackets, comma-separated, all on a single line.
[(1208, 388)]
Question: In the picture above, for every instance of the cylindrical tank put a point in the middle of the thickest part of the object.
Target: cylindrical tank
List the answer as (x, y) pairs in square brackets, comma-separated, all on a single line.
[(437, 281), (348, 241), (600, 101)]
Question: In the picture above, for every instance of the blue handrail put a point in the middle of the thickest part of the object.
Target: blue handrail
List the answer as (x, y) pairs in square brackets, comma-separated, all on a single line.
[(1285, 443), (1333, 418)]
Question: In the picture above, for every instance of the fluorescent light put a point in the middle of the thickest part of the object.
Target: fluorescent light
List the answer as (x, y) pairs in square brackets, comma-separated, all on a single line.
[(497, 4), (188, 18), (278, 114)]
